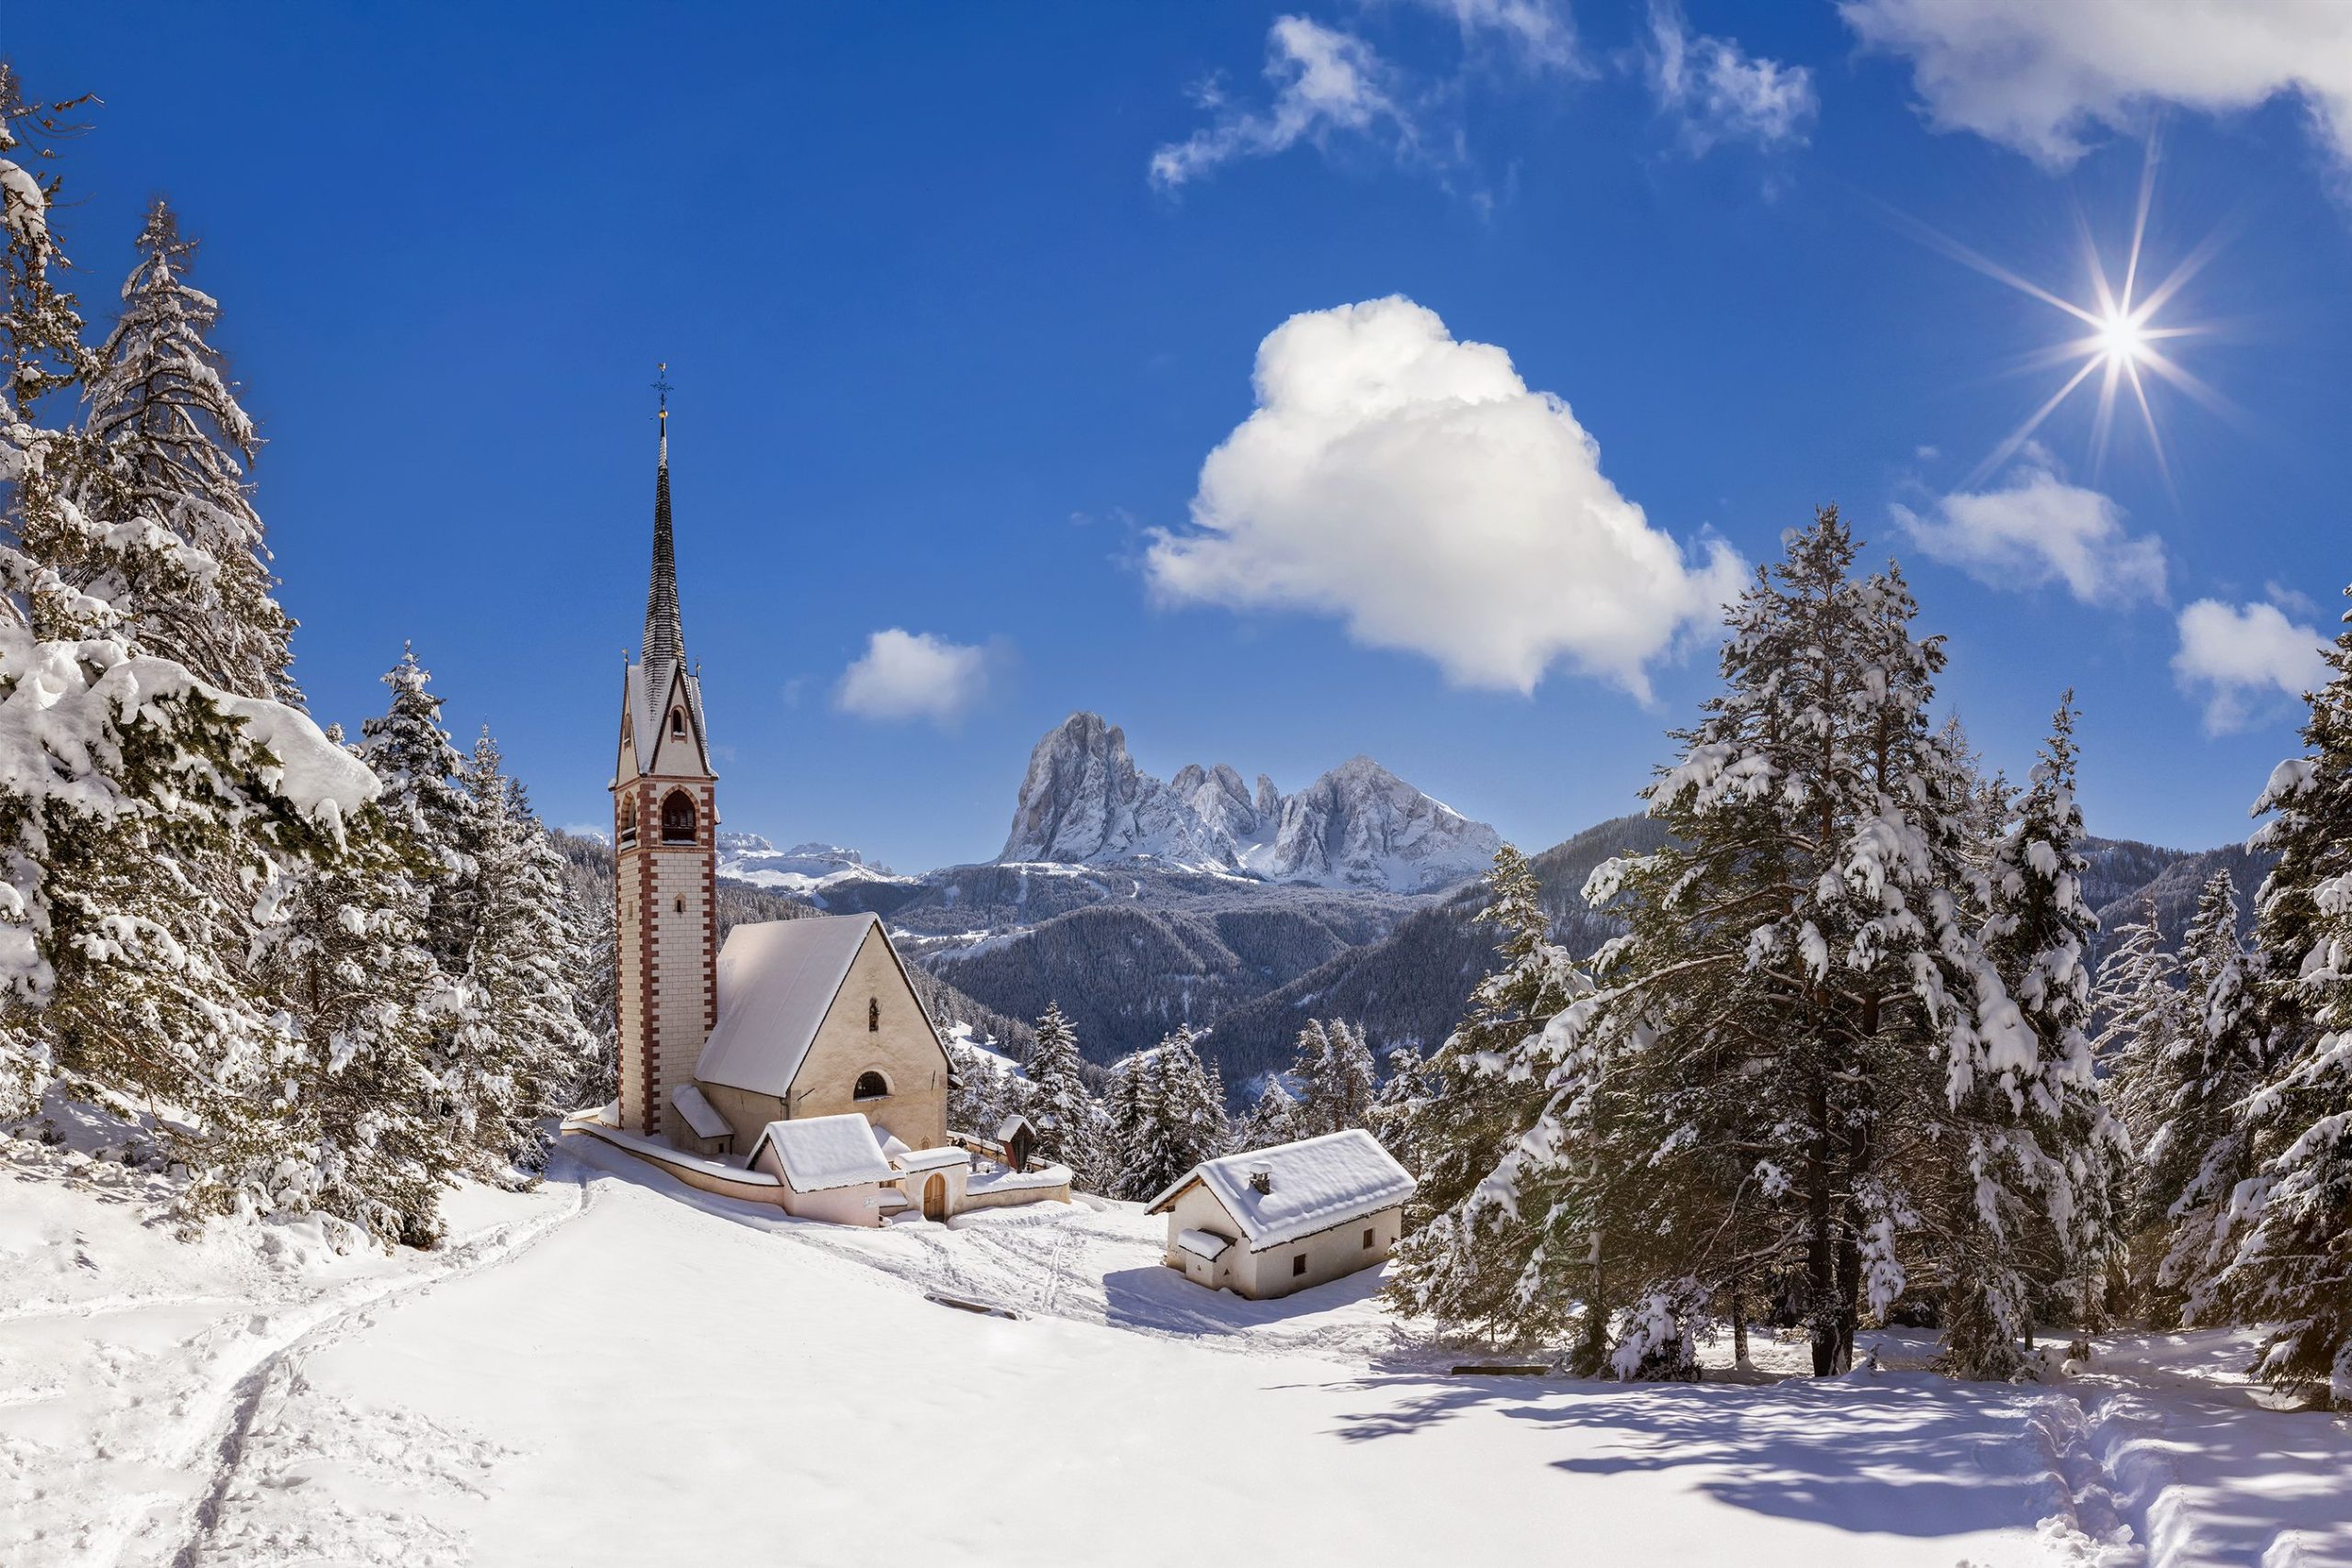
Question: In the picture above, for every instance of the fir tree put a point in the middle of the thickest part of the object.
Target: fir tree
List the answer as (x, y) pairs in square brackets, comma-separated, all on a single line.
[(2293, 1266), (1273, 1119), (1479, 1094), (1070, 1125), (176, 548), (1168, 1115), (425, 797), (2200, 1150), (2138, 995), (1335, 1078)]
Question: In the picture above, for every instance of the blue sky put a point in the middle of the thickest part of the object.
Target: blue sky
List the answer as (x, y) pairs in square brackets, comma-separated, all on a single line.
[(958, 300)]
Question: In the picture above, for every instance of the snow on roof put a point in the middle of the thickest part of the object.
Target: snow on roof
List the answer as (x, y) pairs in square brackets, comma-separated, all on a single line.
[(1204, 1244), (648, 705), (820, 1153), (1312, 1185), (776, 981), (700, 1113), (1006, 1128), (889, 1143), (932, 1159)]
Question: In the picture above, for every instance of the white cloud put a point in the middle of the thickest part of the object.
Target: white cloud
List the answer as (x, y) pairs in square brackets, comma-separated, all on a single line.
[(1721, 93), (1331, 84), (1325, 82), (2040, 530), (2234, 655), (905, 674), (1416, 488), (2043, 75)]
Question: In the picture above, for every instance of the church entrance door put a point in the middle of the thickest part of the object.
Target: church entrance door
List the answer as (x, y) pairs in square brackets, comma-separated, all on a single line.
[(934, 1199)]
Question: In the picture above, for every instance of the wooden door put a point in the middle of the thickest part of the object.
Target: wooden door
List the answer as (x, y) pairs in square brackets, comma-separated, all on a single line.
[(934, 1199)]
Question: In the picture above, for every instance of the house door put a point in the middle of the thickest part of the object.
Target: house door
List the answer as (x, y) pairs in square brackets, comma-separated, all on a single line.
[(934, 1199)]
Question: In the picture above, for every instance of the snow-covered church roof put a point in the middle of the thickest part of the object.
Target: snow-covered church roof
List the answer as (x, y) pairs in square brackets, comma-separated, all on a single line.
[(776, 981), (1311, 1186)]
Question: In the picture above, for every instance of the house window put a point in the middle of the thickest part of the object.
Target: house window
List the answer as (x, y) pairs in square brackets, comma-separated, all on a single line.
[(874, 1015), (678, 817), (1298, 1266), (678, 721), (871, 1085), (1367, 1241)]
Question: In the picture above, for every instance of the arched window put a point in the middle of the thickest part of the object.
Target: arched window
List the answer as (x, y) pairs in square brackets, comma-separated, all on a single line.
[(678, 721), (679, 904), (678, 817), (874, 1015), (871, 1085)]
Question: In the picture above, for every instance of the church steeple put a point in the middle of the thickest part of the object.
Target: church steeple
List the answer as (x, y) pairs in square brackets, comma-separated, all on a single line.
[(665, 638)]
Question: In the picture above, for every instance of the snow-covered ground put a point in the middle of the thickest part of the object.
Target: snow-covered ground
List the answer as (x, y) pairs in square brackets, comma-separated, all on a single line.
[(616, 1370)]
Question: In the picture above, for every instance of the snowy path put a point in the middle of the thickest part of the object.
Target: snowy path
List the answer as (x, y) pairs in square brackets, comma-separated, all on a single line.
[(617, 1370)]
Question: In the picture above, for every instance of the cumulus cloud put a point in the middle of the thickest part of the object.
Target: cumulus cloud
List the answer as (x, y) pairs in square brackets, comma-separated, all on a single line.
[(2038, 530), (905, 674), (1414, 487), (1721, 93), (2042, 76), (2235, 656), (1330, 85)]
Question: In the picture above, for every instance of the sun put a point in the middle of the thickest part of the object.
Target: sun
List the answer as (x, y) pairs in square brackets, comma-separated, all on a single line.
[(2124, 334)]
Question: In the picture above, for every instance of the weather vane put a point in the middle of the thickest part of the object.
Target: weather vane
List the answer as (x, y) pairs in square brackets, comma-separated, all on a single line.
[(662, 385)]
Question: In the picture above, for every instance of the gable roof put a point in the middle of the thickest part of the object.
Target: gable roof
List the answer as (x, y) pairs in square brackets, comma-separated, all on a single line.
[(821, 1153), (647, 693), (1314, 1184), (777, 980), (700, 1113)]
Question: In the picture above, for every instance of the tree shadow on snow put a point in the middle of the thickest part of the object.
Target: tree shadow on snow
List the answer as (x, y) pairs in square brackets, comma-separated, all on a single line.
[(1902, 1455)]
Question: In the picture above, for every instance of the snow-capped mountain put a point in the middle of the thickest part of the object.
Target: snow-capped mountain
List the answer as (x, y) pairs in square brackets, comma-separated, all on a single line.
[(1084, 802), (802, 868)]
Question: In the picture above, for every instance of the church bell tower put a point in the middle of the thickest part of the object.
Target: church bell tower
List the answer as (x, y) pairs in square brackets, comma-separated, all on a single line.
[(665, 836)]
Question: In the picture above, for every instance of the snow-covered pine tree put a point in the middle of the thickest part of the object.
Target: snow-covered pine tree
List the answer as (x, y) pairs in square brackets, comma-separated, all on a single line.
[(1464, 1111), (40, 327), (1169, 1113), (177, 547), (1398, 1103), (2025, 1204), (2142, 1011), (519, 1049), (361, 1123), (2293, 1268), (1132, 1109), (1336, 1078), (1070, 1125), (980, 1091), (2200, 1151), (1273, 1119), (425, 797), (1753, 1089)]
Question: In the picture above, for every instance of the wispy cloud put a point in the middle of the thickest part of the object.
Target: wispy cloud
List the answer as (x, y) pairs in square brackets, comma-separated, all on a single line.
[(908, 675), (2237, 655), (2037, 529), (1717, 92)]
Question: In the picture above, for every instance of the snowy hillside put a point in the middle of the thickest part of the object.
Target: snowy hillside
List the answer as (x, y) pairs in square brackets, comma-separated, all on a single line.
[(808, 869), (1084, 802), (522, 1396)]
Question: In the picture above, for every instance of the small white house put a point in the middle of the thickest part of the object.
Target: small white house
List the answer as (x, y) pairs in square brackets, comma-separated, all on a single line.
[(1274, 1220), (831, 1167)]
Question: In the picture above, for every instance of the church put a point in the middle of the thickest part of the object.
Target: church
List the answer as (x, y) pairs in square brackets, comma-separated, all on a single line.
[(795, 1063)]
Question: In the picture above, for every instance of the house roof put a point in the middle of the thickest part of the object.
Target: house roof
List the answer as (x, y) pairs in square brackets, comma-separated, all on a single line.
[(700, 1113), (1011, 1124), (1313, 1185), (776, 981), (932, 1159), (1204, 1244), (821, 1153)]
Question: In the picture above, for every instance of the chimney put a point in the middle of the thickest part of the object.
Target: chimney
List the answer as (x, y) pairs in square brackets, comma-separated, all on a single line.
[(1262, 1179)]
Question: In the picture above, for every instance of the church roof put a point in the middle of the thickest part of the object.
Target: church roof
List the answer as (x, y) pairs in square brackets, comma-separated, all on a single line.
[(776, 981), (662, 655)]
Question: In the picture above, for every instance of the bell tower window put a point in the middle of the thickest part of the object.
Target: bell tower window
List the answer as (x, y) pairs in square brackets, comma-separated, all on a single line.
[(678, 817), (678, 722)]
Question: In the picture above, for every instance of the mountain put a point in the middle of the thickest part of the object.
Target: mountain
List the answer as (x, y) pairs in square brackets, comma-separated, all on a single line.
[(2173, 879), (833, 879), (1084, 802)]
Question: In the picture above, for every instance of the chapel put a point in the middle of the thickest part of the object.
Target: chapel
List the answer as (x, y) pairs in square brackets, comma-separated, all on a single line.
[(759, 1053)]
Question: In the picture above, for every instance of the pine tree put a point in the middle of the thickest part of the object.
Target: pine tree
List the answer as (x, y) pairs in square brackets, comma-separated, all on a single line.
[(425, 797), (2293, 1266), (518, 1050), (177, 547), (1399, 1103), (1070, 1125), (2139, 997), (1480, 1093), (1273, 1119), (2200, 1150), (1167, 1115), (1335, 1078), (2028, 1204), (1794, 1014)]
